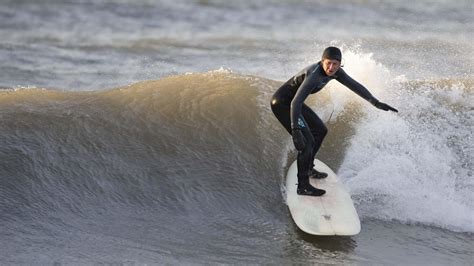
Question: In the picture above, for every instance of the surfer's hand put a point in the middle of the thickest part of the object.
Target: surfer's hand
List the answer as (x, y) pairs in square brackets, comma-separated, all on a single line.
[(385, 107), (298, 138)]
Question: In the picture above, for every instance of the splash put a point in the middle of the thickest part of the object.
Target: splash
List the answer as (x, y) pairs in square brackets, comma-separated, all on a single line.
[(415, 166)]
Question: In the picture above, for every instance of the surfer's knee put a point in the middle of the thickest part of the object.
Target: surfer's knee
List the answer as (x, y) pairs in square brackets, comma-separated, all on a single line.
[(275, 102), (277, 107), (319, 133), (280, 101)]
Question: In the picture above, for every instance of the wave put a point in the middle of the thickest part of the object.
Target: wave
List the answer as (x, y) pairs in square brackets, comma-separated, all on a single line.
[(192, 146), (416, 166)]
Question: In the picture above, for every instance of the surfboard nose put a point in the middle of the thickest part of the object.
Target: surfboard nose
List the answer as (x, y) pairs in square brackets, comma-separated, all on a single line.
[(331, 214)]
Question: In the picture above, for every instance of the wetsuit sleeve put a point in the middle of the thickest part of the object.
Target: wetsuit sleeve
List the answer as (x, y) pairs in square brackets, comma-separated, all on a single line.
[(301, 94), (355, 86)]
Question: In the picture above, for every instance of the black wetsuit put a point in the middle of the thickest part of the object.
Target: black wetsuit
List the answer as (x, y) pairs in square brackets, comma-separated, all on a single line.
[(288, 106)]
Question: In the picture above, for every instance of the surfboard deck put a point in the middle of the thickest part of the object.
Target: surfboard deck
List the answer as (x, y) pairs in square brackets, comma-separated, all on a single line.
[(331, 214)]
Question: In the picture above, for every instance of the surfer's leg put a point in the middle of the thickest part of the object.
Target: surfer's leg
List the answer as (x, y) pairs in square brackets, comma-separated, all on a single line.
[(318, 131), (304, 160), (282, 113), (317, 127), (304, 156), (304, 164)]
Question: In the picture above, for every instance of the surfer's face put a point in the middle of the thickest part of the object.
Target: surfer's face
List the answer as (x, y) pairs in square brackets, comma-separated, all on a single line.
[(331, 66)]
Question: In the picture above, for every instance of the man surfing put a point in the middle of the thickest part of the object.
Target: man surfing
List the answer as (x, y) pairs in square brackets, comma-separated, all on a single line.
[(306, 128)]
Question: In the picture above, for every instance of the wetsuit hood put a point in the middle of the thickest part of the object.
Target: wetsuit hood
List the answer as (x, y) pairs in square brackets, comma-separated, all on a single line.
[(333, 53)]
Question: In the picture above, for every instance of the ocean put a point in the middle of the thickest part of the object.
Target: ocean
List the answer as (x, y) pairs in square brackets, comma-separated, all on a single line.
[(140, 132)]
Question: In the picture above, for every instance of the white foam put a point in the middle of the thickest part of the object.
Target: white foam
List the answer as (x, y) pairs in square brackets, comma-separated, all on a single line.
[(363, 68), (412, 166)]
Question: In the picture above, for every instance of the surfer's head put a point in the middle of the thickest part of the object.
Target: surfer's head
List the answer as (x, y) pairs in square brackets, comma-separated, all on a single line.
[(331, 60)]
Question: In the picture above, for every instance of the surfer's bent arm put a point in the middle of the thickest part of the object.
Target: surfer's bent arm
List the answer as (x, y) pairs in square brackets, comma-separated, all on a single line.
[(355, 86), (297, 103)]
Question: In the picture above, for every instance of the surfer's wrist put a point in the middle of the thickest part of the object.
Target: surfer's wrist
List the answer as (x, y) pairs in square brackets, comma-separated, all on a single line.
[(374, 101)]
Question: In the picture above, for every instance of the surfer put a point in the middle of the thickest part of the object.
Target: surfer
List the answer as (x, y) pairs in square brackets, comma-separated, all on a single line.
[(306, 128)]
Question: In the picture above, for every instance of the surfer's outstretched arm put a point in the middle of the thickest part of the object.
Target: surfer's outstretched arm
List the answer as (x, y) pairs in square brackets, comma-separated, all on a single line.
[(360, 90)]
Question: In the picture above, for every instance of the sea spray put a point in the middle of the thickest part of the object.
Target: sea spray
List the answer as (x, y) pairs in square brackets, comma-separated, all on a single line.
[(415, 166)]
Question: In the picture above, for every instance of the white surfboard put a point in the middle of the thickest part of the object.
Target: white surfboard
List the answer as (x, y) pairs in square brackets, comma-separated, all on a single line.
[(331, 214)]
